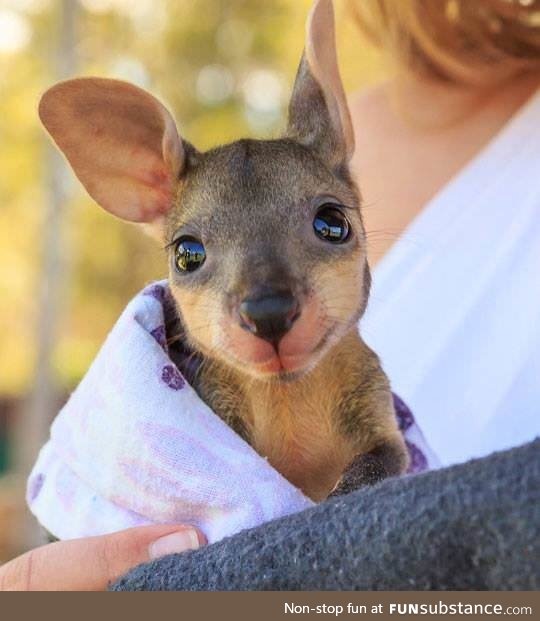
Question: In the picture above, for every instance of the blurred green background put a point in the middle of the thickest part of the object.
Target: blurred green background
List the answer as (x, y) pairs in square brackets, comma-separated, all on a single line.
[(225, 68)]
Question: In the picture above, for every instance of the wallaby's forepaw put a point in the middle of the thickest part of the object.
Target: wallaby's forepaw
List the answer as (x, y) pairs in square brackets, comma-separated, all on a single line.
[(387, 460), (364, 470)]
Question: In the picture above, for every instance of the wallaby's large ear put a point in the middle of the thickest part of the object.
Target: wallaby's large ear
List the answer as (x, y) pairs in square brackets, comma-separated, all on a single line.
[(318, 112), (121, 142)]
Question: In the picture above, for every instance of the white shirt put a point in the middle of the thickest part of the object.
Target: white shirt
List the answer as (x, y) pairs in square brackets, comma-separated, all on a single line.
[(454, 311)]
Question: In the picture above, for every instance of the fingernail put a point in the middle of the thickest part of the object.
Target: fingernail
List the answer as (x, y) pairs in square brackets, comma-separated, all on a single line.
[(179, 541)]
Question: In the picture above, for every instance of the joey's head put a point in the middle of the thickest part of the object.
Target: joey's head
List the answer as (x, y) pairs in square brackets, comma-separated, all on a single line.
[(266, 247)]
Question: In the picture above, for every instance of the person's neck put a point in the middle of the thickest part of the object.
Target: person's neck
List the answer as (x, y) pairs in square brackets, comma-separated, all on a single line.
[(427, 105)]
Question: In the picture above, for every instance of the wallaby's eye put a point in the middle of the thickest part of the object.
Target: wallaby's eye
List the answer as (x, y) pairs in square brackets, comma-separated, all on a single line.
[(189, 254), (331, 225)]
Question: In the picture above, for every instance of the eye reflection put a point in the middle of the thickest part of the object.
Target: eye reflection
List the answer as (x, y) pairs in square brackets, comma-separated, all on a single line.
[(189, 254), (331, 225)]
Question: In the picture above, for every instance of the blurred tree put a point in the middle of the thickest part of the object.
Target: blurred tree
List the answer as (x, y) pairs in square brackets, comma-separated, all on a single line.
[(34, 420)]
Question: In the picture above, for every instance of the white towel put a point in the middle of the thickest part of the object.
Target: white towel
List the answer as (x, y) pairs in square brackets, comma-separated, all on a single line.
[(136, 445)]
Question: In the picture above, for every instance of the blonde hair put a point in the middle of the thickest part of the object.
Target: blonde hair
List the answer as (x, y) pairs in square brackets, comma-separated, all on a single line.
[(475, 42)]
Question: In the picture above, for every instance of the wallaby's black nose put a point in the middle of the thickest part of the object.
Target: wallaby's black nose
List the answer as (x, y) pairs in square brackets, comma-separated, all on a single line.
[(269, 317)]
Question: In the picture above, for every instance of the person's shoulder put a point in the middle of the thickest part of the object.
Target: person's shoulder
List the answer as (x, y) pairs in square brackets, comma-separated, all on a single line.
[(369, 100), (371, 111)]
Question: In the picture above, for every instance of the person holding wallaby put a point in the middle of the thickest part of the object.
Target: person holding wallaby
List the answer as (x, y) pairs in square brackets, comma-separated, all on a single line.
[(235, 203)]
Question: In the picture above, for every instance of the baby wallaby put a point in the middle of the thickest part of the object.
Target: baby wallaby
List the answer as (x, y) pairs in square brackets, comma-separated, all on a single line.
[(267, 263)]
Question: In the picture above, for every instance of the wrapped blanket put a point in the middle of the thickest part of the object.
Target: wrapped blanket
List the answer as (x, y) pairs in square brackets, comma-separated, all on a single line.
[(136, 445)]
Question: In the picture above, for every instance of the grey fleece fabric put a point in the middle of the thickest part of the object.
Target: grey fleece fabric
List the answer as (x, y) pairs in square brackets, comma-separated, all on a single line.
[(474, 526)]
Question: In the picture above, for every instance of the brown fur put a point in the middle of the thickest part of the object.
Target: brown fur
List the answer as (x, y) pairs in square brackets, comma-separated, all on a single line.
[(310, 429)]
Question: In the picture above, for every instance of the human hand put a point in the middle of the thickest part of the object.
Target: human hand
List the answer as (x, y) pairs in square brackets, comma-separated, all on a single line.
[(93, 563)]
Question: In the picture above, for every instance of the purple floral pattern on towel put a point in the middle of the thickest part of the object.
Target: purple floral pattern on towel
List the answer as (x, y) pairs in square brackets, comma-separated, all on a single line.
[(403, 413), (406, 423), (34, 486), (155, 291), (418, 459), (172, 377), (160, 336)]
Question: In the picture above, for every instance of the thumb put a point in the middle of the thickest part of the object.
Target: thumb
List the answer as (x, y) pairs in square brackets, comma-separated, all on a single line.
[(91, 564)]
